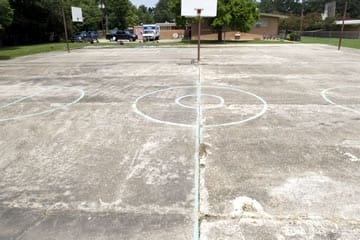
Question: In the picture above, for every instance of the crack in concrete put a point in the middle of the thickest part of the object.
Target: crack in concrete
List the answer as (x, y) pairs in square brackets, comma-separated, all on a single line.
[(223, 217), (32, 225)]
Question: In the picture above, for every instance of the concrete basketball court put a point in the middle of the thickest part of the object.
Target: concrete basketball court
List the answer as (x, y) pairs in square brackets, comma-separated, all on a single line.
[(111, 143)]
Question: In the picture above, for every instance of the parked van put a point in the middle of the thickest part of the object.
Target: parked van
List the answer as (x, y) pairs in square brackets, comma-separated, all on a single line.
[(151, 32)]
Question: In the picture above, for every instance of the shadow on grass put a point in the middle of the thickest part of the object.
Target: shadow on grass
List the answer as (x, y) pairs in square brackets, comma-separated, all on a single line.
[(4, 57), (5, 52)]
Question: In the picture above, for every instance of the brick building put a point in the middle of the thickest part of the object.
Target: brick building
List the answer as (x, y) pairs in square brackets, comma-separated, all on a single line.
[(268, 24)]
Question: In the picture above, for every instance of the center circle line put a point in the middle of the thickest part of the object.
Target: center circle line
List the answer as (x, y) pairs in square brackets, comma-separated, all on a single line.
[(220, 104)]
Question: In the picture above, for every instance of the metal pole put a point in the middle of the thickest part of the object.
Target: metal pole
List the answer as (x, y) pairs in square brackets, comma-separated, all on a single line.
[(342, 26), (106, 22), (302, 17), (199, 33), (65, 27)]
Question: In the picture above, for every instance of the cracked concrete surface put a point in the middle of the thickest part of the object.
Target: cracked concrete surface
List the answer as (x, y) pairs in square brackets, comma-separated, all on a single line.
[(99, 170)]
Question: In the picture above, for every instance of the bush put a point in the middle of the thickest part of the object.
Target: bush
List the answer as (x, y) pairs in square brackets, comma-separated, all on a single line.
[(294, 36)]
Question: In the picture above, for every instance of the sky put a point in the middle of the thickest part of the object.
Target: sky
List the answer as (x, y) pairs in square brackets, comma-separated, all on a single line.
[(148, 3)]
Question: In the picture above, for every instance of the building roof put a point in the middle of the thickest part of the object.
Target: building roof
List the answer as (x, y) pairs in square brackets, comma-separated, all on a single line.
[(166, 24), (348, 22), (272, 15)]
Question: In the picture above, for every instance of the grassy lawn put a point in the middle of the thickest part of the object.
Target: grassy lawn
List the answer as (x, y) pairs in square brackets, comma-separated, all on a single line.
[(17, 51), (350, 43)]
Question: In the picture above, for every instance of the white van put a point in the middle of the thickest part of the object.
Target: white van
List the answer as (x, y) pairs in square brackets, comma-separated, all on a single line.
[(151, 32)]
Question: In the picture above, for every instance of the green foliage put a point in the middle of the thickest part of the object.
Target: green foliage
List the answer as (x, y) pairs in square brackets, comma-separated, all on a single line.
[(294, 36), (132, 17), (6, 13), (353, 9), (267, 6), (91, 13), (291, 23), (237, 14), (293, 7), (118, 11), (145, 15), (18, 51), (351, 43), (311, 21), (175, 8), (162, 12)]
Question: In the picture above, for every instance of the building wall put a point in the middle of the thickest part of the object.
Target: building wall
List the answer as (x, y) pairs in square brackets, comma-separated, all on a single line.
[(171, 34), (266, 25)]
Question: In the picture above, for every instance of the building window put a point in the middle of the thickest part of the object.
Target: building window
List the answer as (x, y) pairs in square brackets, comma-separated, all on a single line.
[(261, 23)]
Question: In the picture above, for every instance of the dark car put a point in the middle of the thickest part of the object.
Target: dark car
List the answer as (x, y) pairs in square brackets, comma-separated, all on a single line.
[(93, 35), (79, 37), (90, 36), (122, 34)]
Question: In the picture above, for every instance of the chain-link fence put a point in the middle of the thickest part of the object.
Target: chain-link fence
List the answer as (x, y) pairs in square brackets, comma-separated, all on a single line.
[(332, 34)]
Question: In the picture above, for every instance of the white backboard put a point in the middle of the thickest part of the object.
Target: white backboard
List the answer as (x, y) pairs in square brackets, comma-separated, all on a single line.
[(188, 8), (76, 14)]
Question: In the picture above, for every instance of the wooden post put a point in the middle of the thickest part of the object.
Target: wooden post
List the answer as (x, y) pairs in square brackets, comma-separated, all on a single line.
[(342, 26), (65, 27), (199, 32)]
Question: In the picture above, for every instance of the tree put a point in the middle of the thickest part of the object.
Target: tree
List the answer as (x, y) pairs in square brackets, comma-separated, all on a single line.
[(267, 6), (118, 12), (174, 7), (91, 13), (162, 12), (6, 13), (146, 15), (239, 15), (132, 17)]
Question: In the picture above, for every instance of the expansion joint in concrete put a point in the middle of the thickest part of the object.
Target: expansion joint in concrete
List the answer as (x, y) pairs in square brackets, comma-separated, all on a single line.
[(223, 217)]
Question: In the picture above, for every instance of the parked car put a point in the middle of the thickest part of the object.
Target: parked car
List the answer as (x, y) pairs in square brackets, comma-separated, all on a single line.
[(78, 37), (122, 34), (90, 36)]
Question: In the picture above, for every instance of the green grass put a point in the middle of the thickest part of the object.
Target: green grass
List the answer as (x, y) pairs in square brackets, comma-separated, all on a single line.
[(350, 43), (18, 51)]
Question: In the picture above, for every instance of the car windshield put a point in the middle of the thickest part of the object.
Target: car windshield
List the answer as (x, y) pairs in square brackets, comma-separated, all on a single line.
[(149, 32)]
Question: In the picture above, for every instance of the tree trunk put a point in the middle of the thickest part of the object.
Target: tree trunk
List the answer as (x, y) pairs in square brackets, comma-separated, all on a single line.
[(219, 32)]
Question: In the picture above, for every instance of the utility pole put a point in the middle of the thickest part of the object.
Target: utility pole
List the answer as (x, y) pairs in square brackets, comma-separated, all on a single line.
[(342, 26), (65, 26), (198, 11), (302, 17)]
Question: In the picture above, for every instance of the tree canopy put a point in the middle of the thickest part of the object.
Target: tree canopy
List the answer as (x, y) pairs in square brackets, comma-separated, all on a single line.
[(145, 15), (293, 7), (162, 13), (239, 15), (6, 13)]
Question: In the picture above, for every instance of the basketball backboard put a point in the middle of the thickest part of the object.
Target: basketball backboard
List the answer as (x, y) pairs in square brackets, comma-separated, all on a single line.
[(189, 8), (76, 14)]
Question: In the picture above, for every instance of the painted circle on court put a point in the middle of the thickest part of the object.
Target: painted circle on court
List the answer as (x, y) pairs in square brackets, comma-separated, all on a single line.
[(63, 90), (194, 106), (142, 104), (325, 95)]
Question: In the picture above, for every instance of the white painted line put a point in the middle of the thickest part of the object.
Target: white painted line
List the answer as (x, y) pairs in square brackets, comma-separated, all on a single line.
[(325, 97), (220, 104), (158, 120), (263, 110), (22, 99), (198, 139), (81, 92)]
